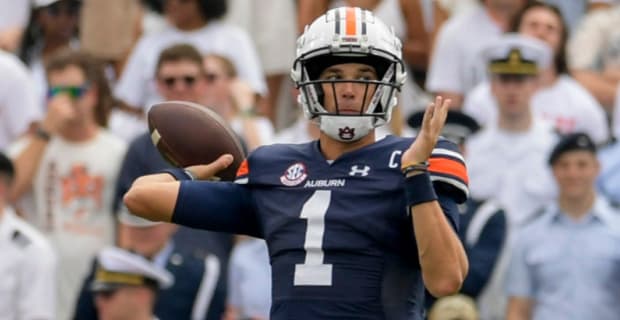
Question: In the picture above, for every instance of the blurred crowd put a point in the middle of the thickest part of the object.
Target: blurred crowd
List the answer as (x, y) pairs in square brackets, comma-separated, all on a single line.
[(535, 108)]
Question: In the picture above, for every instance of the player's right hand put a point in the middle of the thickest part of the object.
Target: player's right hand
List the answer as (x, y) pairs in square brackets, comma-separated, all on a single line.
[(208, 171)]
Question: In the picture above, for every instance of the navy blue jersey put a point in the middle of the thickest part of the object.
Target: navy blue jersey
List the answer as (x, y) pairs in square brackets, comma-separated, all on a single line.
[(340, 237)]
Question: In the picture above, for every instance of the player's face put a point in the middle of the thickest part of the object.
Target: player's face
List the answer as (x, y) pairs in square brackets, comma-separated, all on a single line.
[(70, 86), (543, 24), (181, 80), (575, 173), (348, 97), (218, 82), (116, 305), (513, 93)]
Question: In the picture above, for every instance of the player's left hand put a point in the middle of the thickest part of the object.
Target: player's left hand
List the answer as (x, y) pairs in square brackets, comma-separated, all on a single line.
[(432, 125)]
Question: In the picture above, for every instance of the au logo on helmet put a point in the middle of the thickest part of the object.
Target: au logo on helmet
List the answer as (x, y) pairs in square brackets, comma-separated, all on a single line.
[(346, 133)]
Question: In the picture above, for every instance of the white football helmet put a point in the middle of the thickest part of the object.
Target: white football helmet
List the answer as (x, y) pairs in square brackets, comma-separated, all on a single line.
[(348, 35)]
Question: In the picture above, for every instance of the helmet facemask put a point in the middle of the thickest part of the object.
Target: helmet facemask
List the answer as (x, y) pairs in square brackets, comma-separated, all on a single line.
[(378, 97)]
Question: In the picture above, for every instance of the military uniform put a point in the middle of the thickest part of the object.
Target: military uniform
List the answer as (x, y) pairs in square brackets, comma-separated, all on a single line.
[(28, 266)]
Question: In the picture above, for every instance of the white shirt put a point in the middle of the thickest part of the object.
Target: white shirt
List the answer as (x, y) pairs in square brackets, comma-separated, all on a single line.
[(512, 168), (72, 194), (250, 279), (456, 64), (14, 13), (18, 100), (566, 104), (137, 86), (28, 268), (595, 44)]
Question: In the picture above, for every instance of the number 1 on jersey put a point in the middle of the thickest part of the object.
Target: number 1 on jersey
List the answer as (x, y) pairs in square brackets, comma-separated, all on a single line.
[(313, 272)]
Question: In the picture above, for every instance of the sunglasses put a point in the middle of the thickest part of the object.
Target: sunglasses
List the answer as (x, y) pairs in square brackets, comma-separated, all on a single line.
[(75, 92), (171, 81), (71, 8)]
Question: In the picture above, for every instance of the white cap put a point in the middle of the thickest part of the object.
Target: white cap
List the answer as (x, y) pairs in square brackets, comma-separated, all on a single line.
[(119, 268), (514, 53), (127, 218), (43, 3)]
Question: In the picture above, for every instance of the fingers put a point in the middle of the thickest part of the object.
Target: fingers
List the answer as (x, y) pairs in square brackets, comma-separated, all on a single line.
[(221, 163), (208, 171)]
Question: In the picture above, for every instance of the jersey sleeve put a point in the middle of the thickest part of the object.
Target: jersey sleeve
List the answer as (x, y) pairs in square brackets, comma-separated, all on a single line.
[(448, 171), (216, 206)]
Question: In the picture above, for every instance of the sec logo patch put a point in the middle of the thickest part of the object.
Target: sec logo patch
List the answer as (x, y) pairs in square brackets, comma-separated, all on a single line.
[(294, 175)]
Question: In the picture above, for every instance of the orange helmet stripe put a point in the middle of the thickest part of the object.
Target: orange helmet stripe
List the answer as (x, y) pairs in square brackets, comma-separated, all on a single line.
[(351, 23)]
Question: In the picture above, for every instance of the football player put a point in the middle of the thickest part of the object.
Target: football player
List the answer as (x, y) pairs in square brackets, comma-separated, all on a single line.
[(355, 227)]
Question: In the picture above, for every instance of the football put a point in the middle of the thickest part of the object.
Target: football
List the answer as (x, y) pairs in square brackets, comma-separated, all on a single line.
[(187, 134)]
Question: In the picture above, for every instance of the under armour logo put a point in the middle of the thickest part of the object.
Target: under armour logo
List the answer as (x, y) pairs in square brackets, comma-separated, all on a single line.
[(346, 133), (357, 171)]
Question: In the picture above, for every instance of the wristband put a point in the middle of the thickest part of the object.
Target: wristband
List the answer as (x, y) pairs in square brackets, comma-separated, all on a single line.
[(416, 168), (42, 134), (179, 174), (419, 189)]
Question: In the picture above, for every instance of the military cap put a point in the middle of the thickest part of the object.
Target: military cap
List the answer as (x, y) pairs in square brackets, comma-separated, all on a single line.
[(517, 54), (578, 141), (458, 126), (45, 3), (120, 268)]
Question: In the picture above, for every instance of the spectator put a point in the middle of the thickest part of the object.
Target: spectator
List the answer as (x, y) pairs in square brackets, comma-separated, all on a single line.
[(126, 285), (13, 20), (52, 28), (249, 278), (193, 294), (594, 54), (609, 179), (482, 223), (26, 259), (66, 170), (566, 264), (560, 99), (507, 158), (514, 62), (455, 66), (233, 99), (18, 106), (180, 76), (194, 22), (271, 25)]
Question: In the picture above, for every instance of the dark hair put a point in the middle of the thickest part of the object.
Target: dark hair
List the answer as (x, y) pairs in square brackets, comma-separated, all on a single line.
[(179, 52), (93, 72), (560, 55), (209, 9), (33, 33), (7, 170), (213, 9)]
